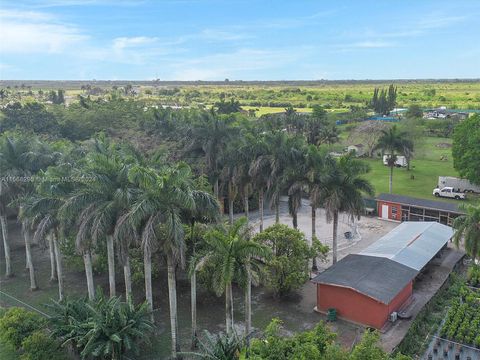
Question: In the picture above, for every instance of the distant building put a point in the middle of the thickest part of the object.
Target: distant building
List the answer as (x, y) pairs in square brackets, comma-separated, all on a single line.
[(444, 113)]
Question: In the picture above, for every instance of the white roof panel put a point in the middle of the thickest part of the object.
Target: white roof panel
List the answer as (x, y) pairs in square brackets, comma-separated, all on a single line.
[(412, 244)]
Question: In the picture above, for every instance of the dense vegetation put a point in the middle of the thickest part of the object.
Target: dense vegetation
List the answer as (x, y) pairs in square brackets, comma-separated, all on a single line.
[(115, 180), (462, 323)]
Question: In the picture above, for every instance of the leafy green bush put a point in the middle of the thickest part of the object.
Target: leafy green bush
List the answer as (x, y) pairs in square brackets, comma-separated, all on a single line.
[(40, 346), (104, 328), (287, 269), (17, 324), (311, 344), (473, 275)]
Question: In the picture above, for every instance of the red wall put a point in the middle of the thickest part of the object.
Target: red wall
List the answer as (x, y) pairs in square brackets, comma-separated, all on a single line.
[(357, 307), (390, 206)]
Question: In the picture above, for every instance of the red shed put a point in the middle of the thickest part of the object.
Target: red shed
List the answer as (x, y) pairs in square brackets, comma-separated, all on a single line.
[(406, 208), (364, 289)]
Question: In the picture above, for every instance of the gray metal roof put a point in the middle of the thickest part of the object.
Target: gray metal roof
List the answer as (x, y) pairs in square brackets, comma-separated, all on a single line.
[(412, 244), (376, 277), (423, 203)]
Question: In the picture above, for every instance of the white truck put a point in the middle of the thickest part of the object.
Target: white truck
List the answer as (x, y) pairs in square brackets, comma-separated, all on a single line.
[(448, 192), (400, 162), (461, 185)]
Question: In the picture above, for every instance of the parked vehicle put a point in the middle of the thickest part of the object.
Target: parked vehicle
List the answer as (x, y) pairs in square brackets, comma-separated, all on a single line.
[(461, 185), (400, 162), (448, 192)]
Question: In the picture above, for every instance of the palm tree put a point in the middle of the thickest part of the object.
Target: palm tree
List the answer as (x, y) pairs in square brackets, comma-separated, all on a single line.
[(315, 177), (157, 212), (343, 190), (468, 230), (233, 258), (282, 150), (206, 210), (393, 141), (21, 156), (103, 201), (259, 172), (210, 136), (12, 165)]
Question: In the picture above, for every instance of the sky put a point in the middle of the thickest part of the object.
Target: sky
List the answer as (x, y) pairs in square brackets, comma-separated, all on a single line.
[(238, 39)]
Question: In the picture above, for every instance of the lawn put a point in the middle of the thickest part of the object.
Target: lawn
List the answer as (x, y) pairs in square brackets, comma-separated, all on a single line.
[(427, 166)]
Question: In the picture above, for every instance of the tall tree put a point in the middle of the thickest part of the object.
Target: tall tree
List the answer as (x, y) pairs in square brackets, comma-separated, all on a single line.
[(392, 141), (210, 136), (466, 149), (21, 157), (233, 258), (102, 201), (206, 210), (282, 150), (342, 191), (157, 212), (315, 177)]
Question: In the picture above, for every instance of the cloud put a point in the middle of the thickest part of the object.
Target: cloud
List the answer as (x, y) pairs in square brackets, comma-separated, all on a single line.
[(369, 44), (122, 43), (26, 32)]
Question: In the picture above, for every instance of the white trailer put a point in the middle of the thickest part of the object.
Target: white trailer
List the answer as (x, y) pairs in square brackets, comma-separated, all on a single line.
[(400, 162), (461, 185)]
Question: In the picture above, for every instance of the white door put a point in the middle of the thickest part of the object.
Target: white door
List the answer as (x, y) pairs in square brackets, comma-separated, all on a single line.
[(384, 211)]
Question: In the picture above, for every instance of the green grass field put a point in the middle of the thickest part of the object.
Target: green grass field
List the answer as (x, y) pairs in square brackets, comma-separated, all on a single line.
[(419, 182)]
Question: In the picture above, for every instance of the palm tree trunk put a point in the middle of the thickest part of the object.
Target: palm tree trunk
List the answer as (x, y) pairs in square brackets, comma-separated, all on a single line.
[(172, 297), (391, 179), (334, 241), (193, 289), (228, 308), (193, 299), (260, 207), (295, 220), (314, 236), (111, 265), (147, 268), (28, 251), (51, 250), (6, 246), (216, 192), (277, 210), (58, 262), (230, 210), (248, 304), (87, 260), (127, 275), (245, 205)]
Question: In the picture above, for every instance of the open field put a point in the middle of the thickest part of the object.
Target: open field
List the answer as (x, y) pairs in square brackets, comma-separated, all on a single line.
[(334, 95), (426, 168)]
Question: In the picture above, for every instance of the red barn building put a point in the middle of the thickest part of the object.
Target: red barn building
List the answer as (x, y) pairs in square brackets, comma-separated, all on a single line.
[(405, 208), (367, 288)]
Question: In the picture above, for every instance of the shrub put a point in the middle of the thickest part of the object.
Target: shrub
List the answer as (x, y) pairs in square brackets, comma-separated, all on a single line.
[(17, 324), (287, 269), (311, 344), (40, 346), (105, 328)]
